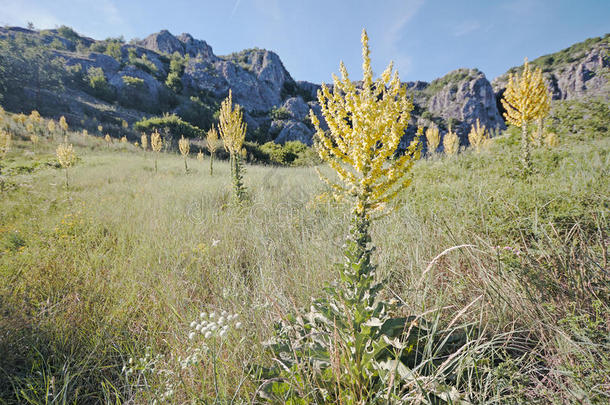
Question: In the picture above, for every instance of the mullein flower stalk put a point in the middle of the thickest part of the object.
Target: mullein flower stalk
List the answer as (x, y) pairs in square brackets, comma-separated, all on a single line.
[(66, 158), (212, 144), (478, 136), (451, 142), (232, 130), (156, 143), (185, 146), (433, 138), (365, 129), (526, 99)]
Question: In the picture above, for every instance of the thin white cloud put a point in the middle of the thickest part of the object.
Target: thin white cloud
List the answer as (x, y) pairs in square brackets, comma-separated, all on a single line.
[(466, 27), (394, 31), (235, 7), (21, 12)]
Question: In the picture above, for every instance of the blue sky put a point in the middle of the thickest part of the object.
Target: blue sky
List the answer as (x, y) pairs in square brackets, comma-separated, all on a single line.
[(425, 38)]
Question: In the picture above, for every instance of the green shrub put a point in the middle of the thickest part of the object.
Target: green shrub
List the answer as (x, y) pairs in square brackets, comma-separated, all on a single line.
[(99, 85), (169, 123), (113, 49), (68, 33), (279, 113), (142, 63), (174, 82)]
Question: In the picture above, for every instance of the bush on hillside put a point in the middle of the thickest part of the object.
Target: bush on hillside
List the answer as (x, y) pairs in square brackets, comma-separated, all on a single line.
[(172, 124)]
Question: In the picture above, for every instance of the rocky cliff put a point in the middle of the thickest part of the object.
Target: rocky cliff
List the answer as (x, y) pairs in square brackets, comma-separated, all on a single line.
[(110, 81), (579, 71)]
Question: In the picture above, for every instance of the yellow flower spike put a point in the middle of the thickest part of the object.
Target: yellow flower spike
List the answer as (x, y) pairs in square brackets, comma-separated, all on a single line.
[(526, 99), (365, 129)]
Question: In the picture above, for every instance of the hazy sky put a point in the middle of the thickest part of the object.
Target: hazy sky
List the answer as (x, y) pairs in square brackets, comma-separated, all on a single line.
[(425, 38)]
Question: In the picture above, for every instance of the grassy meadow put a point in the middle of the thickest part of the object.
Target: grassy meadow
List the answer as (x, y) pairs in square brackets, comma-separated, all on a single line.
[(119, 265)]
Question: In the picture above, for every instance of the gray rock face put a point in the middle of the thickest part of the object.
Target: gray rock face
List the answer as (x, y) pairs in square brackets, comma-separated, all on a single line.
[(108, 64), (467, 100), (309, 89), (256, 82), (583, 77), (293, 131), (197, 48), (164, 42), (297, 108)]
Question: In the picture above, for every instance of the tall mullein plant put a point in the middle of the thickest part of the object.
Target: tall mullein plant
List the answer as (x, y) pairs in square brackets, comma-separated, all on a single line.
[(365, 129), (526, 99), (232, 130)]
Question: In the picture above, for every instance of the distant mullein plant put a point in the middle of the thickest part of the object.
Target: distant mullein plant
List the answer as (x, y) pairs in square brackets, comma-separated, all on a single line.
[(451, 142), (200, 156), (185, 147), (551, 140), (66, 158), (545, 109), (232, 130), (348, 335), (433, 138), (144, 142), (212, 144), (124, 139), (51, 127), (525, 100), (63, 125), (478, 136), (108, 140), (156, 143), (5, 142)]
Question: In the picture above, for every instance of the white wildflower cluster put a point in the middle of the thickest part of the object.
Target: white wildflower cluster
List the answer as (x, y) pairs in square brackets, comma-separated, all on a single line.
[(213, 325), (209, 326)]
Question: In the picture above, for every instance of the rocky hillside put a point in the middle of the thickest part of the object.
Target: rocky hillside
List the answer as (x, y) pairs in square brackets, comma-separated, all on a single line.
[(115, 84), (581, 70)]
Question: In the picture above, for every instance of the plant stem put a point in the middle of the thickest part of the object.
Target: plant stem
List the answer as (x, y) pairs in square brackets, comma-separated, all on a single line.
[(525, 149)]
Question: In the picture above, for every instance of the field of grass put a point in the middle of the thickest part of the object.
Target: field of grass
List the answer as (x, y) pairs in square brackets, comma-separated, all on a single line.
[(119, 265)]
